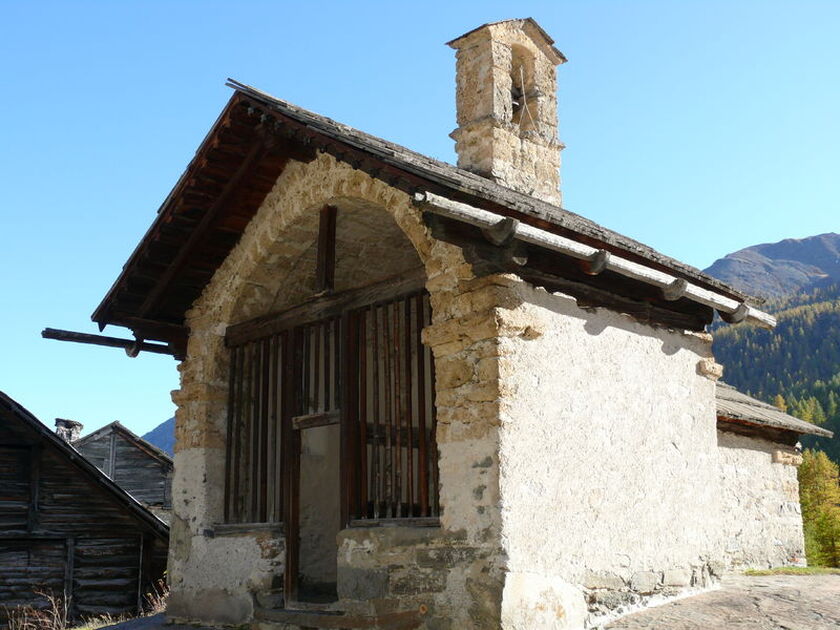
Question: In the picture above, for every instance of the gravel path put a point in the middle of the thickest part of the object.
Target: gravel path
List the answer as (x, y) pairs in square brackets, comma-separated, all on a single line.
[(778, 602)]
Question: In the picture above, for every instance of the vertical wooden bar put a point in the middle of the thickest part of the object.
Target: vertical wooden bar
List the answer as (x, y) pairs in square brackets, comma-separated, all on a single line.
[(293, 370), (409, 416), (271, 428), (280, 360), (265, 351), (253, 430), (422, 455), (337, 363), (388, 380), (433, 448), (328, 350), (377, 435), (231, 415), (361, 425), (325, 265), (398, 420), (349, 420), (316, 364), (239, 421)]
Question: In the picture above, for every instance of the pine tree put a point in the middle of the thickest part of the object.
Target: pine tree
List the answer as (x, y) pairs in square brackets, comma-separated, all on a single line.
[(819, 494), (779, 401)]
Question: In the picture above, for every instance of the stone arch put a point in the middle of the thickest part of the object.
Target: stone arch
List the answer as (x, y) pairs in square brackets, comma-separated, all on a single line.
[(523, 88), (247, 284)]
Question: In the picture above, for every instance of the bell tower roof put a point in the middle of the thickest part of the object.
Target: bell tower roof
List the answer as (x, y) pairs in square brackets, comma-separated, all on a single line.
[(527, 25)]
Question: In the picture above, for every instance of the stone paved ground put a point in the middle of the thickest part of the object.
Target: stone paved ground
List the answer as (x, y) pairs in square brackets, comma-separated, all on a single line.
[(778, 602)]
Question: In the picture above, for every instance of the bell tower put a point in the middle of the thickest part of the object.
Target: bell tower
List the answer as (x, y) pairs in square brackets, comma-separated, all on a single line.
[(506, 95)]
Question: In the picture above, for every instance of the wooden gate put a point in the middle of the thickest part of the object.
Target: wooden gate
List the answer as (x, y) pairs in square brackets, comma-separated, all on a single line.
[(362, 367)]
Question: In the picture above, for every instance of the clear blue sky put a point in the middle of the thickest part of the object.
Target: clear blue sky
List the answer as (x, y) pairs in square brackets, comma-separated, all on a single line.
[(696, 127)]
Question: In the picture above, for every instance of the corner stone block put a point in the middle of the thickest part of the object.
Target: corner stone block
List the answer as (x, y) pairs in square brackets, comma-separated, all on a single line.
[(362, 584), (644, 582)]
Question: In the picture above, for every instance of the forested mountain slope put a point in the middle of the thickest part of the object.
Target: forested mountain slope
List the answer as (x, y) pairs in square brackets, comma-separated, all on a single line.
[(799, 360), (797, 365)]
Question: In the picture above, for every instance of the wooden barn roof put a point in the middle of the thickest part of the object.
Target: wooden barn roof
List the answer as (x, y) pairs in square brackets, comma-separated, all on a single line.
[(11, 411), (237, 164), (117, 427), (736, 407)]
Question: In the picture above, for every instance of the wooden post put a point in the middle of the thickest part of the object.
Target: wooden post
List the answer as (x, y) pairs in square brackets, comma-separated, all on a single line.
[(70, 549), (34, 486)]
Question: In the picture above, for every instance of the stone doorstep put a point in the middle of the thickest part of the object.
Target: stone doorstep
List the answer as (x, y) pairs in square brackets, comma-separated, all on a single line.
[(329, 619)]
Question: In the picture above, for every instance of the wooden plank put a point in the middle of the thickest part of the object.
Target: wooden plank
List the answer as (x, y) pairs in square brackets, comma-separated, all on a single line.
[(377, 444), (237, 495), (433, 521), (388, 380), (398, 415), (325, 266), (34, 486), (361, 424), (232, 372), (112, 455), (319, 419), (422, 455), (291, 462), (407, 414), (263, 434), (271, 440), (325, 307), (70, 549)]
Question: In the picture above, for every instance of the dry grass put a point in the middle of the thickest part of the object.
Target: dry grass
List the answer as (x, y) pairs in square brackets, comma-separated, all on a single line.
[(55, 615), (794, 571)]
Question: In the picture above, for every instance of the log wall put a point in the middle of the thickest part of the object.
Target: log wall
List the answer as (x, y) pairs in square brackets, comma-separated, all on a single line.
[(63, 532)]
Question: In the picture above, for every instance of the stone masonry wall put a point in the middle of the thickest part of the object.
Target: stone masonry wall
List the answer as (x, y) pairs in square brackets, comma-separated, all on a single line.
[(523, 154), (761, 517), (214, 577), (609, 464)]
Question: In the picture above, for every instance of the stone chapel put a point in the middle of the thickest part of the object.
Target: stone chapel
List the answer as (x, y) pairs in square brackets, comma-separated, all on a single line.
[(415, 395)]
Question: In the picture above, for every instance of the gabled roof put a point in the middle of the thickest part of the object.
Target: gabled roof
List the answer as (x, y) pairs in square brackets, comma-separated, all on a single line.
[(117, 427), (11, 411), (736, 407), (239, 161)]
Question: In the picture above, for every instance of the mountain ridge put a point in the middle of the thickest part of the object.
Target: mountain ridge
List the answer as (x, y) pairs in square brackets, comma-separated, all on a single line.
[(771, 270)]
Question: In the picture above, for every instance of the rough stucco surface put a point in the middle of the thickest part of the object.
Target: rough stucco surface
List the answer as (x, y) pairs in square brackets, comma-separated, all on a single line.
[(608, 461), (761, 518)]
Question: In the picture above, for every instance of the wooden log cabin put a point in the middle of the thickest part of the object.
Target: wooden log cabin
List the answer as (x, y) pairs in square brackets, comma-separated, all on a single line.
[(138, 467), (67, 529)]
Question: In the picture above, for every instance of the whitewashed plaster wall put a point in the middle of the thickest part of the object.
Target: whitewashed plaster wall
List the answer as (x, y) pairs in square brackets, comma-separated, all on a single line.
[(608, 464), (761, 521)]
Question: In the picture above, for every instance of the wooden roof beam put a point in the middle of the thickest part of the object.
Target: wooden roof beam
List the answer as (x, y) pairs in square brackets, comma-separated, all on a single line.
[(175, 266)]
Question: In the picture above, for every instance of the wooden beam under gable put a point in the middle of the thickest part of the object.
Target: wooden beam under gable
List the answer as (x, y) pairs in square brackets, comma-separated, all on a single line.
[(154, 296)]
